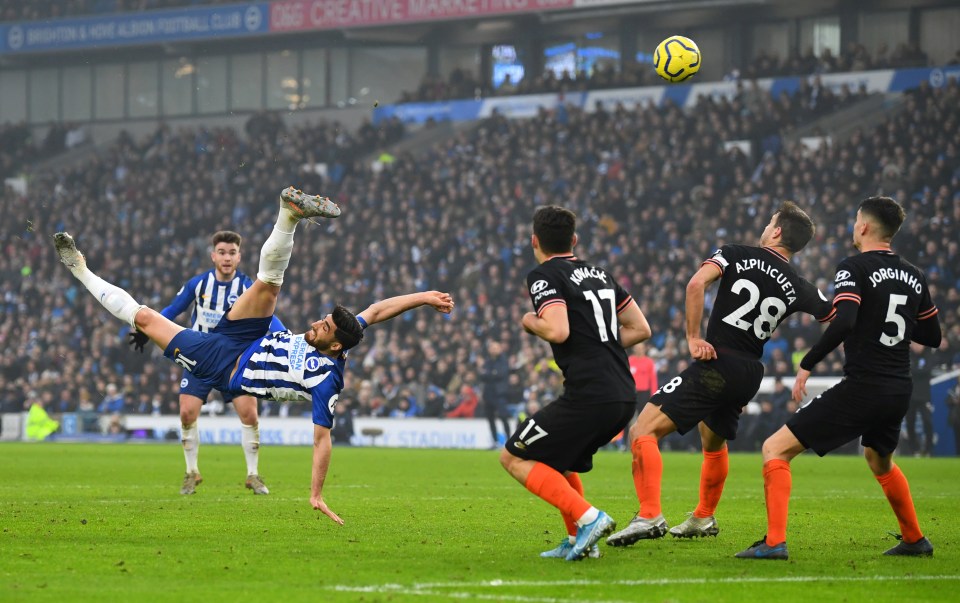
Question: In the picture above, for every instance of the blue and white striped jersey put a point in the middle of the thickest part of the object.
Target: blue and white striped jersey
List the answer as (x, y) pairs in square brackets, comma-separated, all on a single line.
[(283, 366), (210, 298)]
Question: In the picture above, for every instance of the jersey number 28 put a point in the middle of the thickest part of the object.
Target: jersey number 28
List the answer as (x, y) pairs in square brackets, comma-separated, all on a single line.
[(772, 309)]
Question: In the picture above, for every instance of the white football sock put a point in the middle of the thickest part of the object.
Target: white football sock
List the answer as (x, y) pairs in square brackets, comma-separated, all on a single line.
[(287, 220), (276, 250), (589, 517), (191, 446), (250, 440), (117, 301)]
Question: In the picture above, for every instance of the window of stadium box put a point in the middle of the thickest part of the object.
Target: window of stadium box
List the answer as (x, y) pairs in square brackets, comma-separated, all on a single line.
[(44, 95), (212, 85), (177, 82), (314, 83), (110, 91), (13, 96), (143, 93), (79, 81), (381, 73), (246, 81), (339, 75), (587, 54), (820, 33), (283, 80)]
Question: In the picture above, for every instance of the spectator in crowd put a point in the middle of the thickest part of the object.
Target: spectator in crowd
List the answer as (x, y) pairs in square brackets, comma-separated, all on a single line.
[(113, 401), (494, 370), (921, 367), (644, 373), (953, 415), (39, 424), (465, 405), (342, 430)]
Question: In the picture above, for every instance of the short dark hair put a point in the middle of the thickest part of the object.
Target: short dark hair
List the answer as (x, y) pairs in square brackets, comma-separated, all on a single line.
[(796, 227), (226, 236), (886, 211), (554, 227), (349, 332)]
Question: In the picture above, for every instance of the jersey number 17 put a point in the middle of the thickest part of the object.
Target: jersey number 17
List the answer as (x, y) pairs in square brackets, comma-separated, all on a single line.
[(595, 298)]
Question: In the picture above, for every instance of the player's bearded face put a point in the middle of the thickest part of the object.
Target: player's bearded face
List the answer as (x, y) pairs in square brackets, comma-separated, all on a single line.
[(321, 333)]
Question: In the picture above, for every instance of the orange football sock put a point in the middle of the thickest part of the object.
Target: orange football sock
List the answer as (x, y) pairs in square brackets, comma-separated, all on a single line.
[(550, 485), (647, 473), (571, 522), (713, 474), (777, 482), (897, 491)]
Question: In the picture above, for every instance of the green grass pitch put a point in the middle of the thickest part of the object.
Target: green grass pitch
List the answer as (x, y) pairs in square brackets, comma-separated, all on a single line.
[(88, 522)]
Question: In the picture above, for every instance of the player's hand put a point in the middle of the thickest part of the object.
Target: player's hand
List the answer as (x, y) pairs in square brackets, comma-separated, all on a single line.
[(441, 302), (138, 340), (701, 349), (319, 505), (800, 385)]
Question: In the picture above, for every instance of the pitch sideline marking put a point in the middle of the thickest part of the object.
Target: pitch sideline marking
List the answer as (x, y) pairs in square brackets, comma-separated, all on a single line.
[(439, 588)]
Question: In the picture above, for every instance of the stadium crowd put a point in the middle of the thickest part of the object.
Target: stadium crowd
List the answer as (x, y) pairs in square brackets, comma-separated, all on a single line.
[(855, 57), (655, 190)]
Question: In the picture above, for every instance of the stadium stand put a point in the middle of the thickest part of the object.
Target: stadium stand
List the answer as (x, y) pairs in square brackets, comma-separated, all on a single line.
[(456, 218)]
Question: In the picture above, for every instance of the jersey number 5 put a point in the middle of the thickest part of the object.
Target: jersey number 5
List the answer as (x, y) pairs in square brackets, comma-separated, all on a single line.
[(609, 296), (896, 319), (772, 309)]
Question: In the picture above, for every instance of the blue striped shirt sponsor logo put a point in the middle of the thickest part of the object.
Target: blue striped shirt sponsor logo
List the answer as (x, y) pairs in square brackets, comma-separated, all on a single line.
[(213, 299)]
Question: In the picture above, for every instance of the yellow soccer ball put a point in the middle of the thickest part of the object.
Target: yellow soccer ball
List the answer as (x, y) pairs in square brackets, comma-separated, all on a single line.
[(676, 59)]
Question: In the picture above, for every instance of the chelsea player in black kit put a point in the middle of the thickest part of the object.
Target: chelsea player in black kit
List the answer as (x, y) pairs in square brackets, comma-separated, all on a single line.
[(882, 304), (588, 319), (758, 289)]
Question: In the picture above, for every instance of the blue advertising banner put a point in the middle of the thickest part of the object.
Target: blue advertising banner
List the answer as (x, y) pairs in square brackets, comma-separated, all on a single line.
[(137, 28), (418, 113)]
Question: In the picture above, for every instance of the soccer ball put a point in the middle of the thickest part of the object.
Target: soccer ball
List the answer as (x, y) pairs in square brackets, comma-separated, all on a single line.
[(676, 59)]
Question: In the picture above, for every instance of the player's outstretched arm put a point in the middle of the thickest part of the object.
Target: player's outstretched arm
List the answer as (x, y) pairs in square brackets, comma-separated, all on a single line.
[(394, 306), (700, 348), (322, 447), (634, 327)]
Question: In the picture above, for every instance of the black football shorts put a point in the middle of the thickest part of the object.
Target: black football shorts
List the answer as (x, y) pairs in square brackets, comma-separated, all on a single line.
[(714, 392), (850, 409), (566, 434)]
